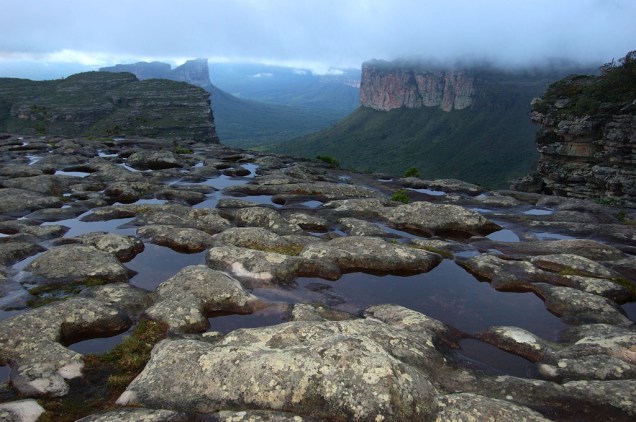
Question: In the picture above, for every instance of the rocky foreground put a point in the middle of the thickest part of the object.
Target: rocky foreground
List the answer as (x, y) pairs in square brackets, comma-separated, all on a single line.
[(102, 238)]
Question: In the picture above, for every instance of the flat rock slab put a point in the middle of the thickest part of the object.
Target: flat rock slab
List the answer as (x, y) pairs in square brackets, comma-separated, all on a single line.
[(74, 264), (19, 202), (32, 343), (122, 247), (472, 407), (267, 219), (21, 411), (180, 239), (154, 160), (436, 219), (348, 370), (187, 299)]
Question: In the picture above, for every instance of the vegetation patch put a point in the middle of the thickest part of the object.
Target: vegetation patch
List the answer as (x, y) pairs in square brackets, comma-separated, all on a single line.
[(401, 196), (180, 149), (333, 162), (105, 376), (444, 253), (412, 172), (291, 249)]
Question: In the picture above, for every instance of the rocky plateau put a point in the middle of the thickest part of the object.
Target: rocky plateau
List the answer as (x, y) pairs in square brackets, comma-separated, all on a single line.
[(289, 290)]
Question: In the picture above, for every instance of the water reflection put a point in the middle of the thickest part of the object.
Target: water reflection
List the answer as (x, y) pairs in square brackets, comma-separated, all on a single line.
[(493, 360), (156, 264), (447, 293), (98, 345)]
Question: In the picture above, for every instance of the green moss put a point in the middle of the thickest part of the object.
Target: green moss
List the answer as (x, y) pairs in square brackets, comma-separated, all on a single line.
[(444, 253), (180, 149), (291, 249), (401, 196), (630, 286)]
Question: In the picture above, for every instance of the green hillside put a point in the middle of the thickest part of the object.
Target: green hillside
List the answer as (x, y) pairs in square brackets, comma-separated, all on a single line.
[(247, 124), (485, 147)]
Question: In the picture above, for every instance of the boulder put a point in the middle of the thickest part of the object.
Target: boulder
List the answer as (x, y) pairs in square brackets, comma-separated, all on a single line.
[(135, 415), (348, 370), (33, 342), (75, 264), (19, 202), (122, 247), (186, 300), (177, 238), (154, 160), (436, 219), (267, 219)]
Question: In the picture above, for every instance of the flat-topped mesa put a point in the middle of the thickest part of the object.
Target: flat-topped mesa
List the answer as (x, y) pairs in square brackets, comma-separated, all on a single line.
[(386, 86), (107, 104), (587, 139)]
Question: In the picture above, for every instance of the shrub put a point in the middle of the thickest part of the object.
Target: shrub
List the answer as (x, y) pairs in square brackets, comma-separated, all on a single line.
[(412, 172), (401, 196), (329, 160)]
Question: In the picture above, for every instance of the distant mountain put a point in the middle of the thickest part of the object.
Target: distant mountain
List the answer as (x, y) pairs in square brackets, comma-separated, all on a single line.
[(335, 90), (239, 122), (106, 104), (467, 123)]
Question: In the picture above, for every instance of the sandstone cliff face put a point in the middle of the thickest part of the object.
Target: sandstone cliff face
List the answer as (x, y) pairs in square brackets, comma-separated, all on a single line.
[(106, 104), (589, 154), (385, 87)]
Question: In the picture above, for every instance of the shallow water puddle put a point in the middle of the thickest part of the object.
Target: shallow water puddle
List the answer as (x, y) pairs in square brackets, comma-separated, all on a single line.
[(156, 264), (430, 192), (98, 345), (263, 318), (630, 310), (447, 293), (78, 227), (72, 173), (538, 211), (145, 202), (251, 168), (8, 314), (494, 360), (5, 371), (311, 204), (504, 235)]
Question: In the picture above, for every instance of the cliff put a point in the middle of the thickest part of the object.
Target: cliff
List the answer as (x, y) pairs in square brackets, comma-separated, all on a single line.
[(106, 104), (587, 137), (385, 86), (193, 71)]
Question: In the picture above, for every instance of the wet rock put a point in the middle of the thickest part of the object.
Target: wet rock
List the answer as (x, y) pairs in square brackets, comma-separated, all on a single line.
[(308, 222), (358, 208), (254, 267), (472, 407), (496, 200), (355, 227), (367, 254), (45, 184), (32, 342), (304, 312), (75, 263), (19, 202), (446, 185), (599, 286), (443, 247), (130, 191), (586, 248), (431, 219), (264, 240), (31, 228), (576, 307), (131, 300), (265, 218), (518, 341), (54, 214), (177, 238), (122, 247), (21, 411), (320, 190), (181, 196), (595, 367), (507, 275), (405, 319), (348, 370), (186, 300), (207, 220), (18, 170), (110, 213), (154, 160), (13, 295), (135, 415), (258, 416), (12, 251), (571, 264), (619, 395)]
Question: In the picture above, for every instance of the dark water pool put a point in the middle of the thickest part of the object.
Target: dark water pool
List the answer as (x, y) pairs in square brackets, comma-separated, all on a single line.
[(78, 227), (262, 318), (447, 293), (490, 359), (98, 345), (5, 371), (156, 264)]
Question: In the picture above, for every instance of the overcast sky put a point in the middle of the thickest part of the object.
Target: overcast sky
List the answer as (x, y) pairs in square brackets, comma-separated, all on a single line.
[(314, 33)]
